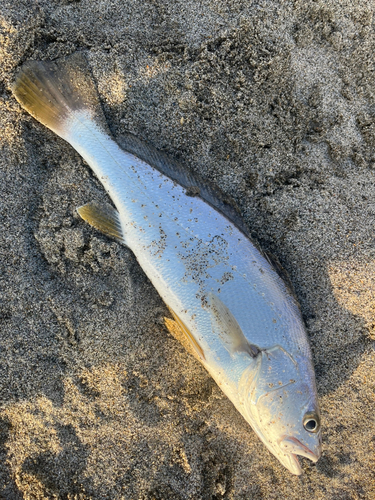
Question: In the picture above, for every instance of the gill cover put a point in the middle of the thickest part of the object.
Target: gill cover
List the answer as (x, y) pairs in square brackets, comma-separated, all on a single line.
[(271, 373), (274, 399)]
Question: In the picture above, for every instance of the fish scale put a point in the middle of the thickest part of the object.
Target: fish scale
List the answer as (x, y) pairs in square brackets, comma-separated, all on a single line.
[(239, 316), (145, 193)]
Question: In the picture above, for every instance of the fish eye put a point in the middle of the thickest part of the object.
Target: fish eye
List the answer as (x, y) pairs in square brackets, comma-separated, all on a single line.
[(311, 422)]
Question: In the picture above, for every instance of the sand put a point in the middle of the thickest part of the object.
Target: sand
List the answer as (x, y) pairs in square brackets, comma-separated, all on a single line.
[(274, 102)]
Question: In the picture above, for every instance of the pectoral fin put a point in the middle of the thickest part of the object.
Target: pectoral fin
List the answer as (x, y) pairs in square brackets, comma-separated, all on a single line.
[(228, 329), (104, 218), (185, 333)]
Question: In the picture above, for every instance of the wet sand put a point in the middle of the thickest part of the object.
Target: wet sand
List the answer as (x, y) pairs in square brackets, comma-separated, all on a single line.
[(274, 102)]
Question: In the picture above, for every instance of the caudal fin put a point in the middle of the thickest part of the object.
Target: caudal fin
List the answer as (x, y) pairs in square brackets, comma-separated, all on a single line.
[(56, 93)]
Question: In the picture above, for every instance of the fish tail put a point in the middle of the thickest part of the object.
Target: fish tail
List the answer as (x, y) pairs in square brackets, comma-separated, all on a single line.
[(57, 93)]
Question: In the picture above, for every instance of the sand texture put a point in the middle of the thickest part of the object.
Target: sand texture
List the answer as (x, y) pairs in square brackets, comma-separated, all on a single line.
[(272, 101)]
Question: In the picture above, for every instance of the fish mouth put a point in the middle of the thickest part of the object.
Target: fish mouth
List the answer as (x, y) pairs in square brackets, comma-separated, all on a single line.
[(292, 447)]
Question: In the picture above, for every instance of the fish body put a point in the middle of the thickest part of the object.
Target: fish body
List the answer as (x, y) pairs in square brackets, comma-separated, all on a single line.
[(240, 317)]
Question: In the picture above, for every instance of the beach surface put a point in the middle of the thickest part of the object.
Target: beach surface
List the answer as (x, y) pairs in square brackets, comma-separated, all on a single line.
[(274, 103)]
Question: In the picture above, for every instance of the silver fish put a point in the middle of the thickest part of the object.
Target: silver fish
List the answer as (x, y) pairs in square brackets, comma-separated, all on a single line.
[(237, 313)]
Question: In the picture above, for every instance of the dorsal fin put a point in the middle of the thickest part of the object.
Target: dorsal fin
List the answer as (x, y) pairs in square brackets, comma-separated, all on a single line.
[(183, 175), (196, 186), (283, 273)]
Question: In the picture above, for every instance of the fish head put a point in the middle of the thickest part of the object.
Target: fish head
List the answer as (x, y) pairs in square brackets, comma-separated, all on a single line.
[(278, 398)]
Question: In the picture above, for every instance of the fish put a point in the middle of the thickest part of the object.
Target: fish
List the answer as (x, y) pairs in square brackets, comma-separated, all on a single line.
[(236, 312)]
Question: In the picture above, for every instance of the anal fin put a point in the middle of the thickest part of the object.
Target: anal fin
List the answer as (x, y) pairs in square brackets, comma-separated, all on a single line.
[(104, 218)]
